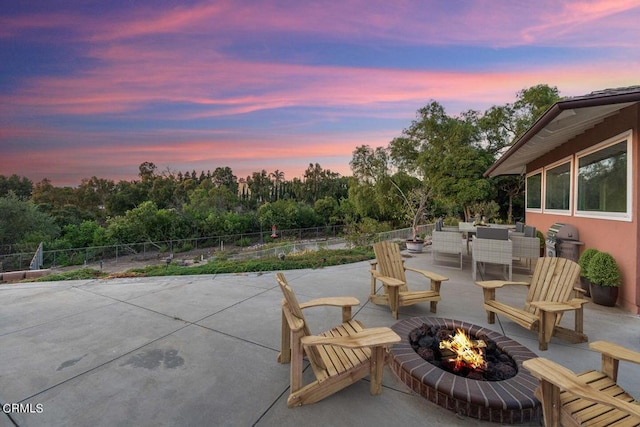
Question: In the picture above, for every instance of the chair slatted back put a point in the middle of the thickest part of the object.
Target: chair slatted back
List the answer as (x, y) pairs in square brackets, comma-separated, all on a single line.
[(553, 281), (293, 306), (390, 262)]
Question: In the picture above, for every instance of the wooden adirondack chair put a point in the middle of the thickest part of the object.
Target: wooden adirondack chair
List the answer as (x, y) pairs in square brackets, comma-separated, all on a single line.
[(339, 357), (590, 398), (550, 295), (389, 269)]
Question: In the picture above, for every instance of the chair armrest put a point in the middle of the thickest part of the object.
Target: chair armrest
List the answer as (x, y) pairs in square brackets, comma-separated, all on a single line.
[(295, 323), (371, 337), (428, 274), (565, 379), (494, 284), (554, 307), (331, 301), (389, 281), (615, 351)]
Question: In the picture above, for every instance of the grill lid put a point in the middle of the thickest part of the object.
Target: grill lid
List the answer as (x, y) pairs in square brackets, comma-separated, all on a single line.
[(561, 231)]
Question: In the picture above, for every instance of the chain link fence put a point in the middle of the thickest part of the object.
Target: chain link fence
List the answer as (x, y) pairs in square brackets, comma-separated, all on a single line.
[(163, 249), (244, 246)]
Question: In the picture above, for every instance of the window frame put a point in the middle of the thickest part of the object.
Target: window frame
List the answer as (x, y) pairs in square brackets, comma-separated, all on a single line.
[(546, 169), (539, 171), (615, 216)]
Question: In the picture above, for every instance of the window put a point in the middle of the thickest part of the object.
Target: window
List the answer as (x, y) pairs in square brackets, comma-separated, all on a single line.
[(534, 191), (604, 180), (558, 187)]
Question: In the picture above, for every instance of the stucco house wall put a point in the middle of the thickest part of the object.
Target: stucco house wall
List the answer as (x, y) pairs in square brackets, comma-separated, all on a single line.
[(621, 238)]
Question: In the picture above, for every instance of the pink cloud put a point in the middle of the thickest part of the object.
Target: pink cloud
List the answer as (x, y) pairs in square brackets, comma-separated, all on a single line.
[(147, 56)]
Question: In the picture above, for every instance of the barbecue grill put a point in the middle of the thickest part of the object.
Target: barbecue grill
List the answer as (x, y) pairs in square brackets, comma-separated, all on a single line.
[(562, 241)]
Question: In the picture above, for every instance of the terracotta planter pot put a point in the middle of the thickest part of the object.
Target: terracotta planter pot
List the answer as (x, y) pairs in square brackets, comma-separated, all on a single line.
[(604, 295), (585, 285)]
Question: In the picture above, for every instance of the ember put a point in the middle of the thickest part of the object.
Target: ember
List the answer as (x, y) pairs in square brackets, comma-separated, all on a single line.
[(458, 353)]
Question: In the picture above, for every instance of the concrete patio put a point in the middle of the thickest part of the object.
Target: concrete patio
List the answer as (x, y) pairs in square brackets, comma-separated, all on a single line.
[(201, 350)]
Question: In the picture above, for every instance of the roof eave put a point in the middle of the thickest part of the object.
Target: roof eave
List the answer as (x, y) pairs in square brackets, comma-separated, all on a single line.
[(553, 112)]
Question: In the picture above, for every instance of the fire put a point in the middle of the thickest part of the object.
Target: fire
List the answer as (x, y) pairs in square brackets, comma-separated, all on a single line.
[(466, 351)]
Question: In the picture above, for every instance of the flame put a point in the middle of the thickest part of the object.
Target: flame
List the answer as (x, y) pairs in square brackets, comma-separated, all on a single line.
[(467, 354)]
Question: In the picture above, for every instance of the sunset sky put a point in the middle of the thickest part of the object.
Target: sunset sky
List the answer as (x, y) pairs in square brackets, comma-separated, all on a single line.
[(95, 88)]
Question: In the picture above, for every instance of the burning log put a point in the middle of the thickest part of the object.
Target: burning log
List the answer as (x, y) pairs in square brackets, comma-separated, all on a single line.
[(437, 345), (465, 352)]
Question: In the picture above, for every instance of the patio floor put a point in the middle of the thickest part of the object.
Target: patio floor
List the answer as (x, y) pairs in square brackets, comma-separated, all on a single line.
[(201, 350)]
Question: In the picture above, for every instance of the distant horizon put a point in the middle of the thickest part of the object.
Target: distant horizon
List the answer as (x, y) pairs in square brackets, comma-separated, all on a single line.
[(97, 88), (160, 171)]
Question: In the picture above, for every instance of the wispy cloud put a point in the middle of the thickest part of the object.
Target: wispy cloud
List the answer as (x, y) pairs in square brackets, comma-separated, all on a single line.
[(236, 83)]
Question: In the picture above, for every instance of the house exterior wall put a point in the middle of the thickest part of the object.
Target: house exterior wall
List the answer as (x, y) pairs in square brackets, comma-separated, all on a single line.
[(620, 238)]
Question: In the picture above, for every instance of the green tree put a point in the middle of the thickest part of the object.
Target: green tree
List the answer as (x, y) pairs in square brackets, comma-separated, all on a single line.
[(147, 171), (499, 128), (126, 195), (224, 177), (147, 223), (328, 209), (287, 214), (23, 224), (88, 233), (21, 187), (312, 178), (92, 195), (278, 178), (373, 192), (260, 186), (445, 152), (162, 191)]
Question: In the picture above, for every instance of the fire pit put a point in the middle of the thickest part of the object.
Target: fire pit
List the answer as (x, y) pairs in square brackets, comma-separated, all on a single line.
[(508, 400)]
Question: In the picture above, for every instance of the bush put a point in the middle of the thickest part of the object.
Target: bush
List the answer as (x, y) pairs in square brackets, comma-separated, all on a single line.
[(311, 259), (80, 274), (243, 242), (585, 259), (603, 270)]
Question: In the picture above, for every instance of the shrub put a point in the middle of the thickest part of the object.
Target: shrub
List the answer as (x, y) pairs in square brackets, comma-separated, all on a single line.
[(243, 242), (585, 259), (603, 270)]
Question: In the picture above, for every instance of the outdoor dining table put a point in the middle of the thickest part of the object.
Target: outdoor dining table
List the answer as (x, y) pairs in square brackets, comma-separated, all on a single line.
[(470, 230)]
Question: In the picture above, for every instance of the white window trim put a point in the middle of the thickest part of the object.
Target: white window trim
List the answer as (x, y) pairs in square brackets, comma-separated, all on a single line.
[(615, 216), (526, 191), (566, 212)]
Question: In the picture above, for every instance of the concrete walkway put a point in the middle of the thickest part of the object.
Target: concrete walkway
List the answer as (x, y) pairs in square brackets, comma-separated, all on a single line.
[(201, 350)]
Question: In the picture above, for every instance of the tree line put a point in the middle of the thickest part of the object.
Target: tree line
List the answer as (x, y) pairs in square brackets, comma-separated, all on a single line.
[(440, 156)]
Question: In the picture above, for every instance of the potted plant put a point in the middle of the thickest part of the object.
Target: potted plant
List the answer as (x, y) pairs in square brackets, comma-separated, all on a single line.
[(583, 262), (605, 278)]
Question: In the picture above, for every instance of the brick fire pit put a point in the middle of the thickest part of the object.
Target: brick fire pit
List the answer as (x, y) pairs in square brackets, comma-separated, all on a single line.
[(507, 401)]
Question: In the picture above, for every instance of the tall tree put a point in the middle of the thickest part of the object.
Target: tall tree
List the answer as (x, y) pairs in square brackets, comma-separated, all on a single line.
[(368, 164), (499, 128), (312, 178), (147, 171), (445, 152), (22, 223), (22, 187), (224, 177), (278, 178), (92, 195), (259, 185)]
